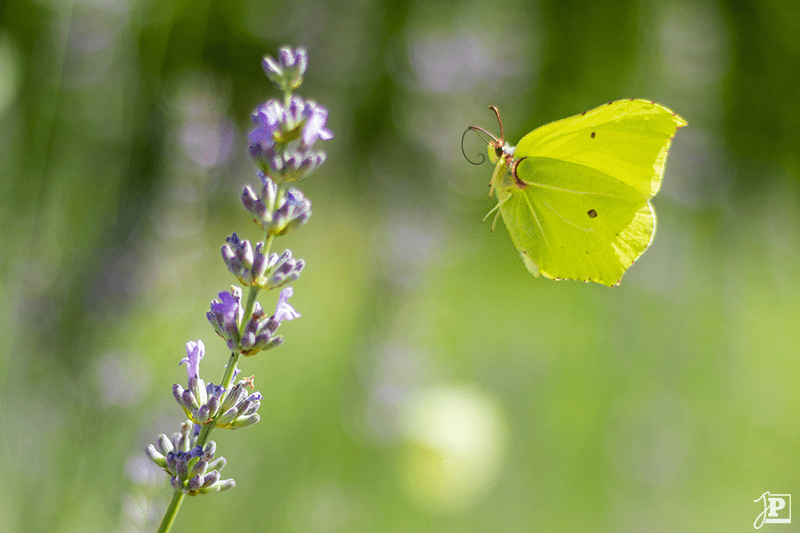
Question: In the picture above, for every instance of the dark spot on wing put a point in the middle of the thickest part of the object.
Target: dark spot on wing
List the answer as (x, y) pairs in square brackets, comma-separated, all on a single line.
[(592, 213), (592, 135)]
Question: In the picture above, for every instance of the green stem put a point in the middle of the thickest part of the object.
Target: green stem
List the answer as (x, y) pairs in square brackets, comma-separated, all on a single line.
[(227, 378), (172, 511), (230, 369)]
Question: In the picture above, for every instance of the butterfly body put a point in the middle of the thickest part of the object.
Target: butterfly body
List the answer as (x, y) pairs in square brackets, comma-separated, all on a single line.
[(575, 194)]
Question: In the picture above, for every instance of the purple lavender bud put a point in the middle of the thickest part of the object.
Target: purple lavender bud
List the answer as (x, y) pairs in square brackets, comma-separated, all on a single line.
[(245, 252), (189, 469), (259, 262), (177, 391), (189, 401), (184, 440), (294, 204), (251, 329), (255, 397), (248, 341), (164, 444), (181, 468), (210, 450), (178, 462), (273, 260), (297, 165), (296, 59), (211, 478), (217, 464), (282, 260), (295, 113), (225, 484), (243, 406), (229, 256), (203, 415), (249, 199), (199, 468), (227, 417), (258, 333), (172, 461), (237, 396), (269, 192), (215, 390), (286, 72), (259, 208), (213, 405), (215, 487), (244, 421), (285, 273), (239, 406), (250, 407), (238, 255), (273, 70), (194, 484), (156, 457), (273, 343), (200, 393)]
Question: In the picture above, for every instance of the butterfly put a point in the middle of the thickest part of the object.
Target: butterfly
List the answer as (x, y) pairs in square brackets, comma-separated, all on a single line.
[(575, 194)]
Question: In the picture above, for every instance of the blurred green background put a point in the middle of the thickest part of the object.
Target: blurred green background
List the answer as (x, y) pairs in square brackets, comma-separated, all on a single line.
[(432, 384)]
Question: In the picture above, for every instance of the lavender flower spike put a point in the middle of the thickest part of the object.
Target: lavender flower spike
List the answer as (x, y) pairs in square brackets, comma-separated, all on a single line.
[(284, 311), (194, 352)]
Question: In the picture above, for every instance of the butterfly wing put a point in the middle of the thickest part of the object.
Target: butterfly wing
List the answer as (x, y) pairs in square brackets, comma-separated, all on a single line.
[(582, 211)]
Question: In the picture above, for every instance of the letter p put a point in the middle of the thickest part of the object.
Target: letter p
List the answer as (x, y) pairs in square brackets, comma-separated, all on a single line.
[(775, 505)]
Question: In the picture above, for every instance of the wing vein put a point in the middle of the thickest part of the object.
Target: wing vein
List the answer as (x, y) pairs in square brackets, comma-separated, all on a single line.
[(536, 218)]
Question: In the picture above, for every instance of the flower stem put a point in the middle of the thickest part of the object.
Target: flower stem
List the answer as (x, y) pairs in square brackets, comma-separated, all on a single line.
[(172, 511), (230, 369)]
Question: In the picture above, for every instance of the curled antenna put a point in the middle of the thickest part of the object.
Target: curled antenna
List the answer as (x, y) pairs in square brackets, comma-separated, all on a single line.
[(496, 143), (482, 157)]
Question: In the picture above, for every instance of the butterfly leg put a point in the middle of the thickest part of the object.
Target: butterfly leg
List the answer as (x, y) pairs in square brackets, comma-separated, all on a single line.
[(497, 214)]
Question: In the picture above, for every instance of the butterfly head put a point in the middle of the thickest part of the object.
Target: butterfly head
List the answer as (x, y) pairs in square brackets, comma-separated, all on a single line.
[(498, 148)]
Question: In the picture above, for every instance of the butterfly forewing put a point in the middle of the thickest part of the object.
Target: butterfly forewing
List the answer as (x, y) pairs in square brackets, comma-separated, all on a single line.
[(627, 139)]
